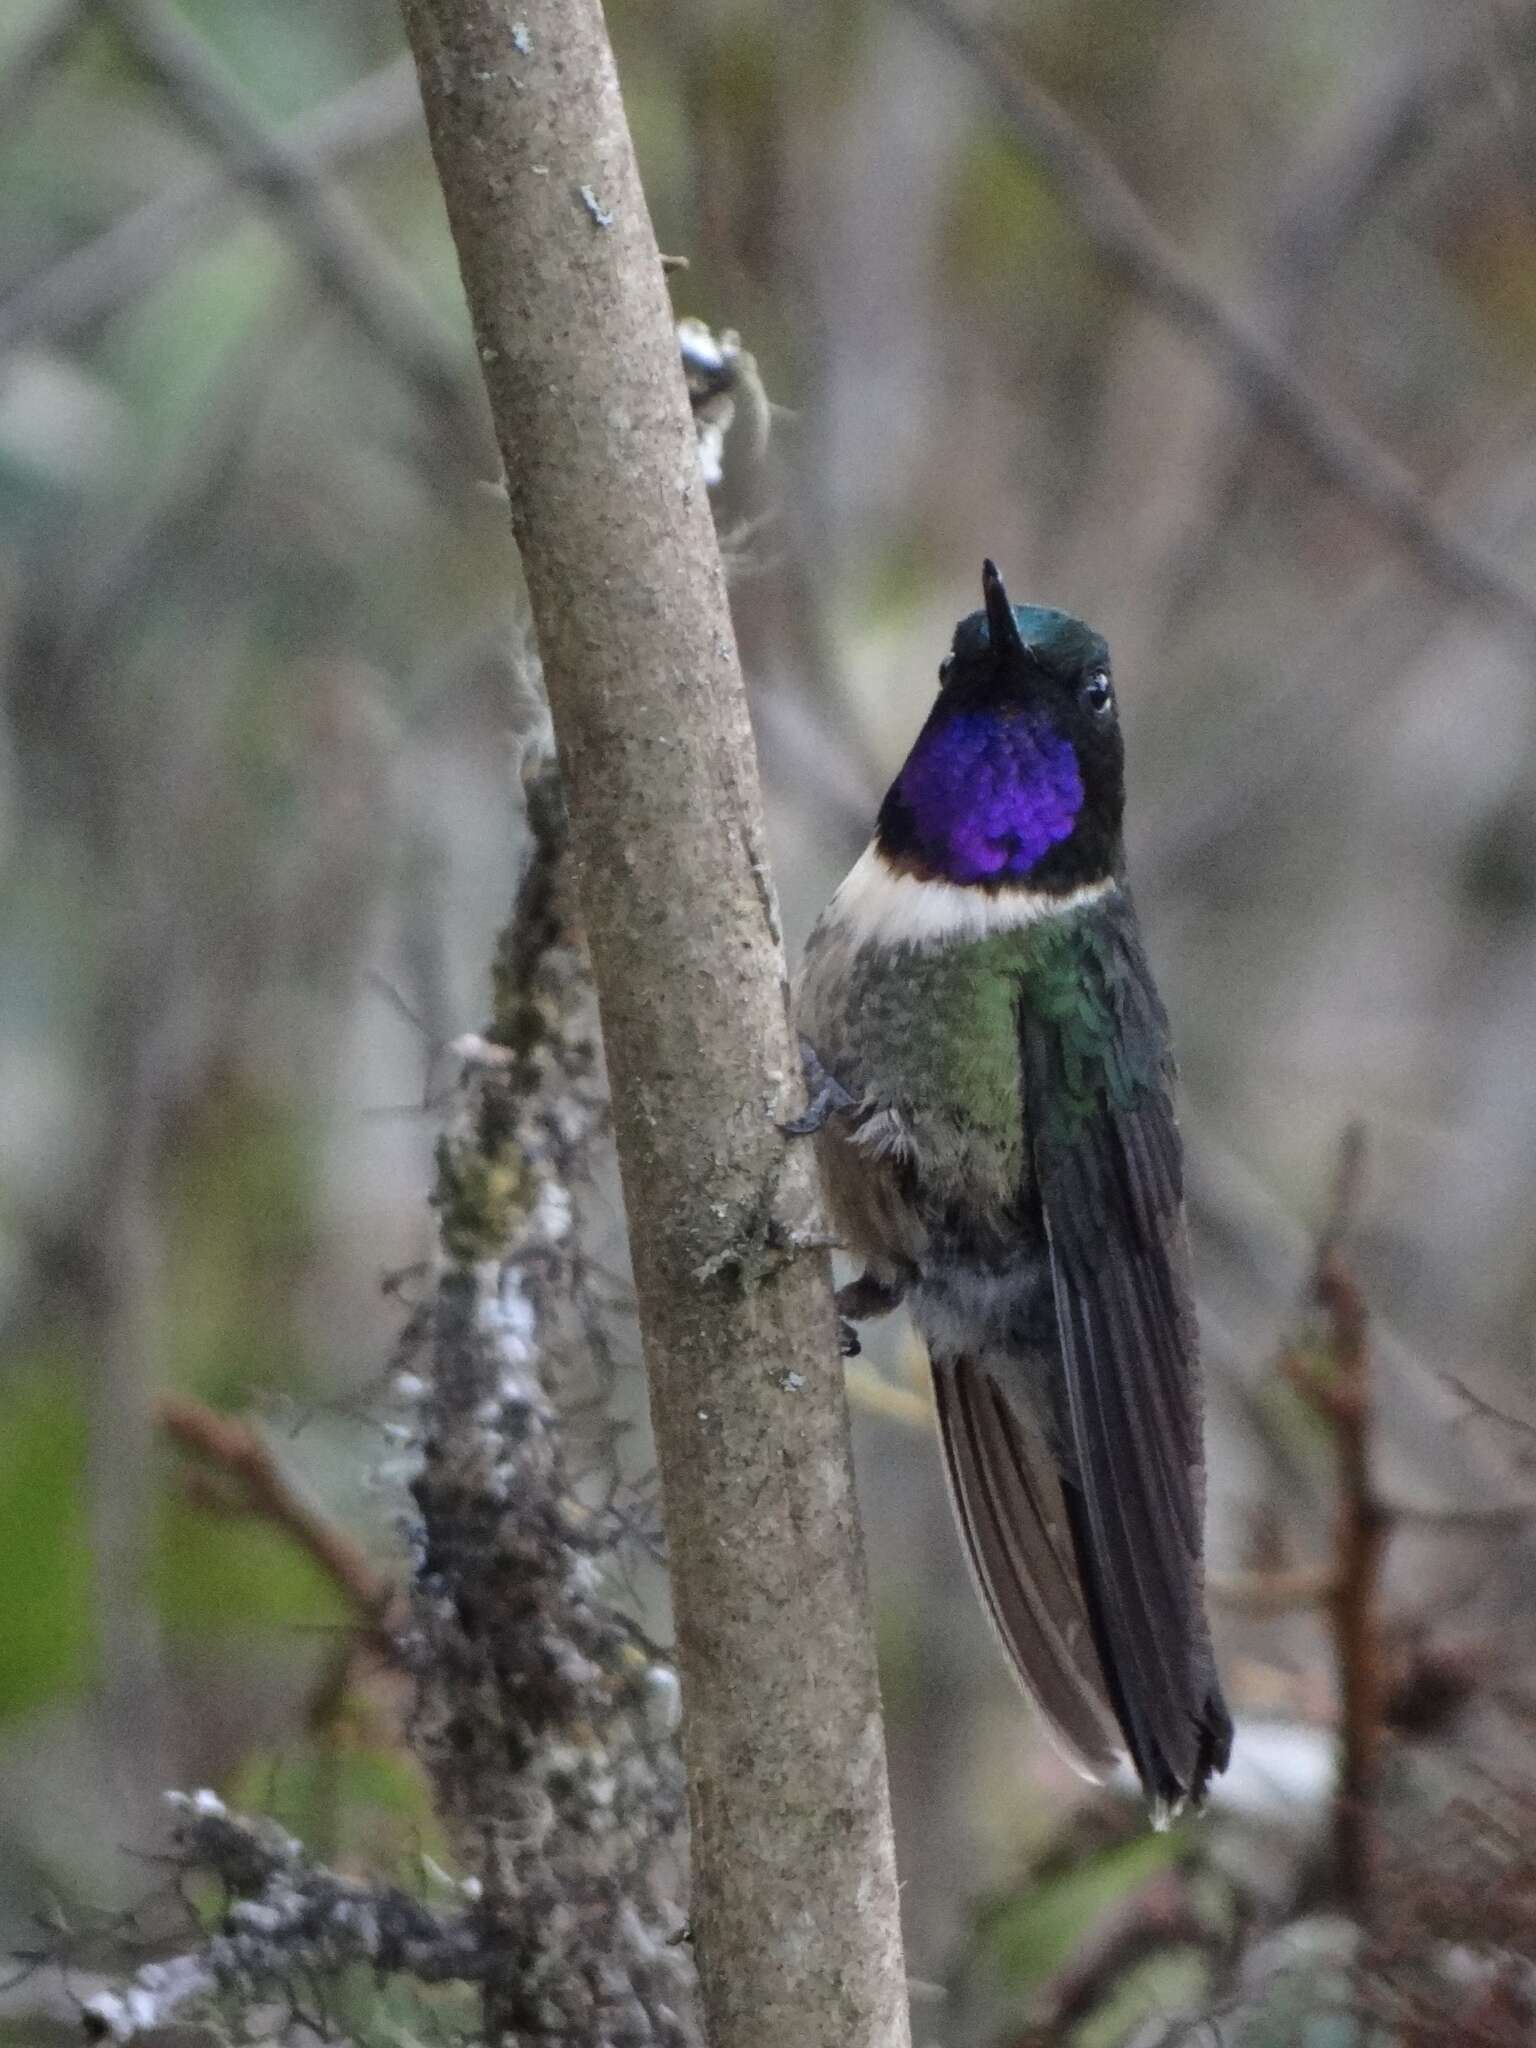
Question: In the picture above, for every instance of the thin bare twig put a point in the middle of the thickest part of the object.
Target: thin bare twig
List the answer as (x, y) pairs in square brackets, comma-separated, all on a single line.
[(348, 258), (1517, 1425), (1348, 1184), (1354, 154), (1335, 443), (1497, 1519), (146, 243), (1237, 1212)]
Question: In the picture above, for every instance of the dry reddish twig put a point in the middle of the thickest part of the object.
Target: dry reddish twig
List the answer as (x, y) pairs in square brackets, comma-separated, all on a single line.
[(242, 1454), (1339, 1389)]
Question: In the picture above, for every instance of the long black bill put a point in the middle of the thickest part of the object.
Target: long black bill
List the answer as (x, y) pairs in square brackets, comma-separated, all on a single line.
[(1002, 626)]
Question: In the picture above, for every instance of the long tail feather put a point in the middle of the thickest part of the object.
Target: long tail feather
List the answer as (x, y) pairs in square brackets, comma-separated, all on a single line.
[(1019, 1538), (1048, 1570)]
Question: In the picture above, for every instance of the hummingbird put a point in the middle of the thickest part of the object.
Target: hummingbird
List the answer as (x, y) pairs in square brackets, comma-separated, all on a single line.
[(991, 1094)]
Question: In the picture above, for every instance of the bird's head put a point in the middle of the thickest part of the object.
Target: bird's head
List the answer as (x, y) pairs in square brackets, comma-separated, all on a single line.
[(1017, 780)]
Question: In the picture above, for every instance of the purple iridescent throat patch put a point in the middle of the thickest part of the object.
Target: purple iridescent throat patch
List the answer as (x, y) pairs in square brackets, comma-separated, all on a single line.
[(990, 796)]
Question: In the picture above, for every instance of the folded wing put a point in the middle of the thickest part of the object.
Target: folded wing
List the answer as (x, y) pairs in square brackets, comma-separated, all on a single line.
[(1108, 1176)]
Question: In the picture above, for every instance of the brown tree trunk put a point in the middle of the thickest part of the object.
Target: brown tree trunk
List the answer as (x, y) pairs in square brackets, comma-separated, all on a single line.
[(794, 1909)]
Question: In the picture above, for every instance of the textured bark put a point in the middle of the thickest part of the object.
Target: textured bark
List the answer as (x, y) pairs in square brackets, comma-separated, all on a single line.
[(794, 1911)]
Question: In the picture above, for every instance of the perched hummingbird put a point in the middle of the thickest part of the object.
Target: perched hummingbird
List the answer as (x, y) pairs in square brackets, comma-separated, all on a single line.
[(992, 1100)]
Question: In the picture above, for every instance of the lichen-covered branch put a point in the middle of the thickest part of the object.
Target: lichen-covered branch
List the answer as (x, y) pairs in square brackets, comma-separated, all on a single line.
[(546, 1724), (287, 1920), (794, 1907)]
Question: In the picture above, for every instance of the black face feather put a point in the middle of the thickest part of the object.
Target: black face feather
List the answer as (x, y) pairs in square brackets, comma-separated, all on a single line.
[(1017, 779)]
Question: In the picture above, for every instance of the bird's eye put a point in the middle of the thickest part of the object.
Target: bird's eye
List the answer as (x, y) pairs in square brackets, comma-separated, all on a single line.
[(1097, 694), (945, 666)]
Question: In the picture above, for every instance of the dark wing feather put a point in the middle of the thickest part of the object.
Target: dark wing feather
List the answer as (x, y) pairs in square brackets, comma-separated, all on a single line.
[(1018, 1535), (1105, 1148)]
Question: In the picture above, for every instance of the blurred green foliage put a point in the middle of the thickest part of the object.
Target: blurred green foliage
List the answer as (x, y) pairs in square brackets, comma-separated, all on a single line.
[(1032, 1933), (239, 1200), (45, 1604), (356, 1803), (217, 1576)]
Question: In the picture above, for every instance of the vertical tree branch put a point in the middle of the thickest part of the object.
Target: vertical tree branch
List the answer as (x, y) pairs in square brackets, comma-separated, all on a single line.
[(1339, 1388), (795, 1912), (1362, 1531)]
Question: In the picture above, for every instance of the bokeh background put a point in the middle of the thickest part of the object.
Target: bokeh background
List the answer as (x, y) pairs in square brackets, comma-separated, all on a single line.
[(265, 681)]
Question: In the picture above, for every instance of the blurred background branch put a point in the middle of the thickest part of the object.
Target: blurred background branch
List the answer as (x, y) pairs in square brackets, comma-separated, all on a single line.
[(137, 250), (349, 260), (41, 43), (1122, 230)]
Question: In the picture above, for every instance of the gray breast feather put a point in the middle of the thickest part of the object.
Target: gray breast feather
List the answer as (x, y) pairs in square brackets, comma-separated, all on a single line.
[(1002, 1318), (884, 1134)]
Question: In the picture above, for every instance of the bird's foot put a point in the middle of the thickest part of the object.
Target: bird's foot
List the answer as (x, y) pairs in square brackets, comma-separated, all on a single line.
[(828, 1097), (764, 1247), (862, 1300)]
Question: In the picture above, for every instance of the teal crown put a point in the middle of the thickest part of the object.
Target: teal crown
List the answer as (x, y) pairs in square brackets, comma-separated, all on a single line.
[(1055, 639)]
